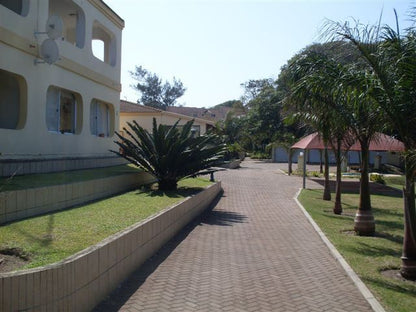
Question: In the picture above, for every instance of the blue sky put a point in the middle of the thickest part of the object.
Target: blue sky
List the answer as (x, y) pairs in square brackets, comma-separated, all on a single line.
[(215, 45)]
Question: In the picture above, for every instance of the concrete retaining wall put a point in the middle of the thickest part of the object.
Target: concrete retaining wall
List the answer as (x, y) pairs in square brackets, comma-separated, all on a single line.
[(82, 281), (19, 204), (9, 167)]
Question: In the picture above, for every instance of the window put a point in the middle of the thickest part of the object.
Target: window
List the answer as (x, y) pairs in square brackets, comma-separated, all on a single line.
[(61, 110), (73, 19), (196, 131), (20, 7), (103, 44), (12, 100), (101, 119)]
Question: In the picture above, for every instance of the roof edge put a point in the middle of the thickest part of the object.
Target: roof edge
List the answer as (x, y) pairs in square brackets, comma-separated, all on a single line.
[(108, 12)]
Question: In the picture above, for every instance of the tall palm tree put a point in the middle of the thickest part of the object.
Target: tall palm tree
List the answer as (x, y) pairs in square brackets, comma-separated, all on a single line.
[(339, 87), (391, 57), (315, 104), (354, 93)]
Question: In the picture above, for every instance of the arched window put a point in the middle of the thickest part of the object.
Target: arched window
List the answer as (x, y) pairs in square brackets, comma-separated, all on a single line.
[(13, 99), (73, 19), (20, 7), (101, 119), (104, 44), (63, 110)]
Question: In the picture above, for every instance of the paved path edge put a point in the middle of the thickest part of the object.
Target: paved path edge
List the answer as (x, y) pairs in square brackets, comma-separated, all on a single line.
[(377, 307)]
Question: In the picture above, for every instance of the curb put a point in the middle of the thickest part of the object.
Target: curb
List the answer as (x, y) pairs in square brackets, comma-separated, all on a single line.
[(377, 307)]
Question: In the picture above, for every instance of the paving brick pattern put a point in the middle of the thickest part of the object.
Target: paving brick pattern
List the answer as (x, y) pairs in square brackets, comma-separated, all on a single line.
[(254, 252)]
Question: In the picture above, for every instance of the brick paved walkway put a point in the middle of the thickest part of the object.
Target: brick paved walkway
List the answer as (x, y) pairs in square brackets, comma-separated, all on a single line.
[(254, 252)]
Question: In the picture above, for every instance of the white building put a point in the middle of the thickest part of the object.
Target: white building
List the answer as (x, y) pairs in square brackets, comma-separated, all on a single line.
[(58, 116)]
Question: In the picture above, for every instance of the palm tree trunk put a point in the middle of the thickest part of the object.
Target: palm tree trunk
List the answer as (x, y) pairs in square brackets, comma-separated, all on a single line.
[(364, 220), (338, 206), (408, 267), (290, 152), (327, 189)]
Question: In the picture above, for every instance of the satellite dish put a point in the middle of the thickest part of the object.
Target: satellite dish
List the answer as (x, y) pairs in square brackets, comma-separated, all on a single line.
[(54, 27), (49, 51)]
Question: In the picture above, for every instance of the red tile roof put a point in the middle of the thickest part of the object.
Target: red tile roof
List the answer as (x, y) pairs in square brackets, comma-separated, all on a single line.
[(213, 114), (130, 107)]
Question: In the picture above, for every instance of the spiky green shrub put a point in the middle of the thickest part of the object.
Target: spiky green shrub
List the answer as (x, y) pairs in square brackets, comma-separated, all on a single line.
[(169, 153)]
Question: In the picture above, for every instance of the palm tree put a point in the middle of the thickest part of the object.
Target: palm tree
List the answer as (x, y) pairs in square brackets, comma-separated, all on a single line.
[(315, 104), (169, 153), (391, 58), (364, 121)]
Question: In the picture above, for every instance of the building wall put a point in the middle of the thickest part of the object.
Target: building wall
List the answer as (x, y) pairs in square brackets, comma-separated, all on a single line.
[(77, 70), (146, 120), (279, 154)]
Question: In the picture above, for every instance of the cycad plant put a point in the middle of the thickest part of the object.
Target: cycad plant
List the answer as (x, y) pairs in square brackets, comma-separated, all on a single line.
[(169, 153)]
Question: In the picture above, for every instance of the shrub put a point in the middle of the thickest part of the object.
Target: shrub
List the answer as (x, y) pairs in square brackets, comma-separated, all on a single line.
[(233, 151), (378, 178), (169, 153)]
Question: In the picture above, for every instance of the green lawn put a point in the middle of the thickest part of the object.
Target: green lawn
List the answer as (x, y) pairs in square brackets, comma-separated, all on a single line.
[(53, 237), (395, 181), (368, 256), (45, 179)]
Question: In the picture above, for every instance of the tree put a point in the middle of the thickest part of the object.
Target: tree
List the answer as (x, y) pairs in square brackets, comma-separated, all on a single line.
[(252, 89), (169, 153), (154, 92), (339, 85), (315, 76), (355, 91), (391, 58)]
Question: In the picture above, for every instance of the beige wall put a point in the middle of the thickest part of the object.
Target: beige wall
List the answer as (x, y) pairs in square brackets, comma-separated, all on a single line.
[(146, 120), (77, 70)]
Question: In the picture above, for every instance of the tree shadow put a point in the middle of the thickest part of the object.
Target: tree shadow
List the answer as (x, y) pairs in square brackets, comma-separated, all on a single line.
[(362, 248), (223, 218), (390, 224), (128, 287), (44, 240), (405, 288), (390, 212), (393, 238), (179, 193)]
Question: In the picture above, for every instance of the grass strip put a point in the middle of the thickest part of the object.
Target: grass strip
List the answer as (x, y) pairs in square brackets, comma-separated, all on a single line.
[(368, 256), (45, 179), (53, 237)]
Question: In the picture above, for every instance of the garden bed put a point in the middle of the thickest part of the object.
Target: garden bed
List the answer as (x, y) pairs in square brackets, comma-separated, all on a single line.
[(31, 195), (82, 280)]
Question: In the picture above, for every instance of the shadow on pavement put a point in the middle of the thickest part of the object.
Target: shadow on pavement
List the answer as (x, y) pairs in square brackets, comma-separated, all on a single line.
[(223, 218), (120, 296)]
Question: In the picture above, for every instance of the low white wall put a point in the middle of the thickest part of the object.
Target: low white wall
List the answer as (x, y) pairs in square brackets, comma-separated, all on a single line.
[(80, 282)]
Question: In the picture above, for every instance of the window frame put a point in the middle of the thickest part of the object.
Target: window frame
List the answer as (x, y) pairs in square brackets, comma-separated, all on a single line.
[(78, 37), (25, 7), (21, 113), (58, 105), (94, 115)]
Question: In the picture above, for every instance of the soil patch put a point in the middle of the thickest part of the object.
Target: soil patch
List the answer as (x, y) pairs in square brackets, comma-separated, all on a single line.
[(348, 232), (12, 259), (395, 274)]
